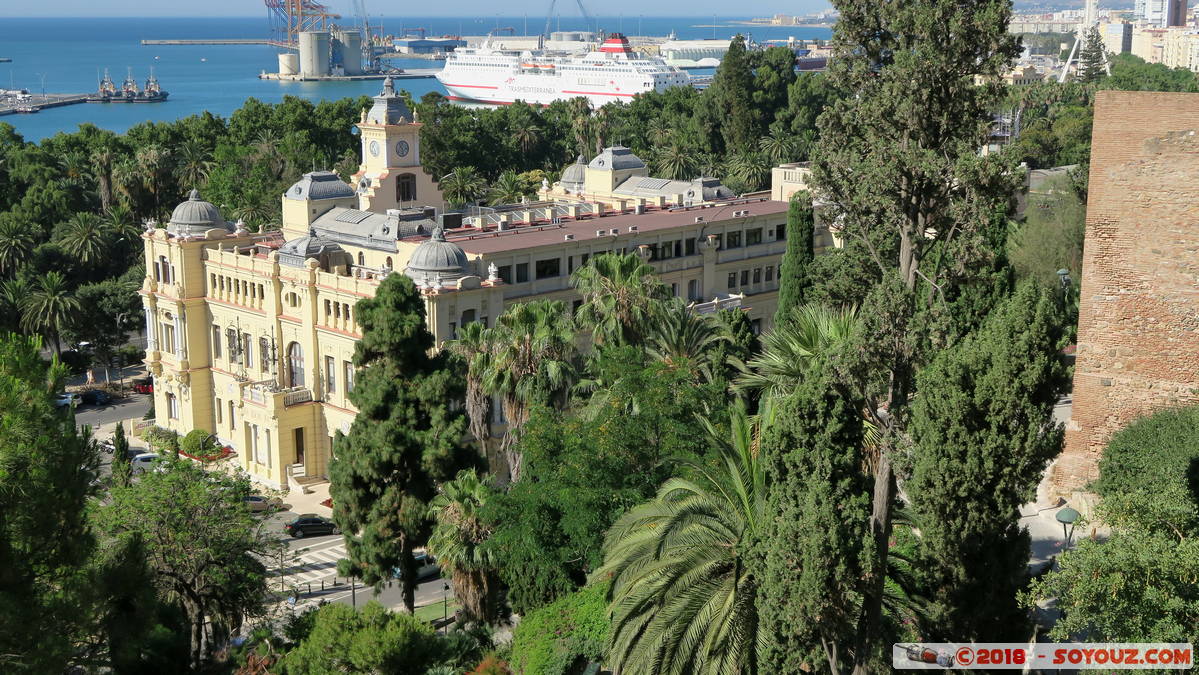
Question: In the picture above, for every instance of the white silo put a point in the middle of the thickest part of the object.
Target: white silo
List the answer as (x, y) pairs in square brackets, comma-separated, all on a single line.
[(347, 51), (315, 53), (289, 63)]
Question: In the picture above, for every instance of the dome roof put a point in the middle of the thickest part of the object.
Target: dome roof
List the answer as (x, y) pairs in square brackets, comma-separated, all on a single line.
[(319, 185), (573, 175), (437, 259), (389, 107), (296, 251), (616, 158), (195, 217)]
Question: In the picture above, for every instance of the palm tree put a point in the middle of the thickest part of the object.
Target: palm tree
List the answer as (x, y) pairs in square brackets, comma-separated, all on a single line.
[(532, 359), (473, 347), (14, 293), (681, 598), (527, 135), (751, 168), (49, 308), (85, 238), (676, 161), (789, 349), (254, 211), (120, 224), (103, 160), (266, 150), (458, 540), (509, 188), (778, 147), (127, 181), (620, 296), (194, 164), (463, 186), (681, 338), (15, 244), (153, 161)]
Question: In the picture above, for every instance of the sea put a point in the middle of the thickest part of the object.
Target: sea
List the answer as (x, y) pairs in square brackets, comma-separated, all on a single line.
[(69, 55)]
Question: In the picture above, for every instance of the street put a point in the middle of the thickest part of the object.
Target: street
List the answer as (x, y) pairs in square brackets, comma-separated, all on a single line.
[(132, 406)]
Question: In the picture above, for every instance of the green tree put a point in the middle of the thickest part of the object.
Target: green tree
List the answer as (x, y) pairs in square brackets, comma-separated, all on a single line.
[(370, 640), (463, 186), (621, 296), (122, 465), (107, 311), (404, 438), (681, 598), (218, 578), (1091, 58), (16, 243), (84, 238), (731, 99), (794, 271), (983, 432), (810, 554), (790, 350), (675, 161), (681, 338), (458, 542), (46, 470), (509, 188), (898, 164), (565, 635), (473, 349), (50, 308), (532, 353), (750, 169)]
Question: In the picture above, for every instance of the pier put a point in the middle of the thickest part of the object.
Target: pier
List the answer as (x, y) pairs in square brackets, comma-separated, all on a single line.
[(414, 74), (210, 42), (10, 104)]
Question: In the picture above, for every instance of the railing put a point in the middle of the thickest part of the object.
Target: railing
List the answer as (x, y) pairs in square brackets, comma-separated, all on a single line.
[(717, 304), (296, 395)]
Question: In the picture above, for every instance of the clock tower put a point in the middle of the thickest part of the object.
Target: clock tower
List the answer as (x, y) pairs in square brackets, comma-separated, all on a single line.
[(390, 175)]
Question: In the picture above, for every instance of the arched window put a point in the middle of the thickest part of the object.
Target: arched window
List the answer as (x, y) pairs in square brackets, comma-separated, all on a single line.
[(468, 317), (406, 187), (388, 263), (295, 365), (361, 259)]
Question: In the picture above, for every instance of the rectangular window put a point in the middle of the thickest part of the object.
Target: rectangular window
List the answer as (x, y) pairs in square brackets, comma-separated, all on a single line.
[(453, 330), (328, 310), (172, 407), (720, 241), (584, 258), (168, 338), (505, 273), (337, 310), (248, 349), (734, 239), (744, 277), (550, 267), (232, 421), (780, 232), (732, 279), (267, 435), (348, 369), (769, 273), (219, 412), (330, 375), (757, 275), (693, 289), (674, 290), (690, 246), (678, 248), (216, 342), (753, 236), (522, 272), (570, 264)]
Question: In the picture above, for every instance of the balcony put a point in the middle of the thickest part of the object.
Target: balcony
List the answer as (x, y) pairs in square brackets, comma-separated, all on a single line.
[(296, 396), (269, 393), (717, 304)]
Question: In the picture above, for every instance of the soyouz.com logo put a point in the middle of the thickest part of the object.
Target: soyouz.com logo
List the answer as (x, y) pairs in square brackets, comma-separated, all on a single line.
[(1042, 656)]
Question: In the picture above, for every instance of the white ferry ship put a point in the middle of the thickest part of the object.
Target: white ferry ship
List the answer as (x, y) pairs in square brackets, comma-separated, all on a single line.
[(613, 73)]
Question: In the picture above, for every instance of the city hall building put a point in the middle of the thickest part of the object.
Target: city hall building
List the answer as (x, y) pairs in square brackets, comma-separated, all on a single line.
[(251, 335)]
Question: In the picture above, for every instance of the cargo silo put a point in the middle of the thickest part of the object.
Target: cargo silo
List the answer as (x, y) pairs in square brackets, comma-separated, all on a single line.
[(315, 53), (289, 63), (347, 51)]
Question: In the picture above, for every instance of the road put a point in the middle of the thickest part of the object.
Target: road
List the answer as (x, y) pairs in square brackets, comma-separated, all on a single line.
[(133, 405)]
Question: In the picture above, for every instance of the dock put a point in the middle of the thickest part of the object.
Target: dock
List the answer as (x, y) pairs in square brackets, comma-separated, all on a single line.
[(413, 74), (9, 104), (207, 42)]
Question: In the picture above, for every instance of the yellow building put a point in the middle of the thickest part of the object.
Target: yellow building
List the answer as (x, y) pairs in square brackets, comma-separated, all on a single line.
[(251, 336)]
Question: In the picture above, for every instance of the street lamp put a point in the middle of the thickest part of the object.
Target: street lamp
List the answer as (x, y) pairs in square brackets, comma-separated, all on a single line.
[(1064, 275), (1067, 516)]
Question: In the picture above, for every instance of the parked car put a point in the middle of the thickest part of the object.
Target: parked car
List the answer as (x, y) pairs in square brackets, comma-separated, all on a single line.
[(145, 461), (143, 385), (95, 397), (258, 503), (65, 399), (309, 524), (426, 566)]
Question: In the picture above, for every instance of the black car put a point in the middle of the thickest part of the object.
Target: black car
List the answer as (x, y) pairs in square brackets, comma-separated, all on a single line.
[(309, 524), (95, 397)]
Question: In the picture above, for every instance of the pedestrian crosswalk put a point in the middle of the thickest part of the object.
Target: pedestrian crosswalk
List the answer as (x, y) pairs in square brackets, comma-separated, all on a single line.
[(313, 564)]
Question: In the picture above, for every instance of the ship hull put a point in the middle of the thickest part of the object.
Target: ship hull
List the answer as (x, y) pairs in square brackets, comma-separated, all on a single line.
[(507, 94)]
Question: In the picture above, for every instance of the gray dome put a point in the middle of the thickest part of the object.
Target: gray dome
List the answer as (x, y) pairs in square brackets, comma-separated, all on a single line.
[(319, 185), (437, 259), (296, 251), (195, 217), (616, 158), (389, 107), (573, 176)]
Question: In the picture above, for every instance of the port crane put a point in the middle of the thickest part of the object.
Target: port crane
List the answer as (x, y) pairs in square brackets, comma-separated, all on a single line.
[(549, 17), (289, 18)]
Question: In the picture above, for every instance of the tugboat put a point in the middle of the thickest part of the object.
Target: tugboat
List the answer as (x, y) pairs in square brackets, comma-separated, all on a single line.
[(106, 92), (129, 90), (152, 93)]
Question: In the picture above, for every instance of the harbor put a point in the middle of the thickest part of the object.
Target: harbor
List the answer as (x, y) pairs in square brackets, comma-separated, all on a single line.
[(413, 74), (11, 105)]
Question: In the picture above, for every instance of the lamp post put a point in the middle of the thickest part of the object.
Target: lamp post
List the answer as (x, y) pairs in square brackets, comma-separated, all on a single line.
[(1064, 275), (1067, 516)]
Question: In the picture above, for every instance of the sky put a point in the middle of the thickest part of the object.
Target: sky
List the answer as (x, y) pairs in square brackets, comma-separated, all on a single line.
[(393, 8)]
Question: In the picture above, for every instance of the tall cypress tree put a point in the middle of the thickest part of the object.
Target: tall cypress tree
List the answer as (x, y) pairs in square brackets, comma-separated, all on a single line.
[(983, 432), (898, 163), (793, 272), (1090, 59), (122, 464), (818, 504), (731, 97), (405, 437)]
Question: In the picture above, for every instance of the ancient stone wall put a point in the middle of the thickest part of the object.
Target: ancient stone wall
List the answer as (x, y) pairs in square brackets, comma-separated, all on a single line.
[(1138, 330)]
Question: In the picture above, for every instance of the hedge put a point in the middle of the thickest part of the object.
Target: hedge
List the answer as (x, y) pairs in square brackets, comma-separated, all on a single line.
[(553, 639), (1153, 455)]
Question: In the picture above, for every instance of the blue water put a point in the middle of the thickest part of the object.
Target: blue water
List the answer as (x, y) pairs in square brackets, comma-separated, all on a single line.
[(67, 54)]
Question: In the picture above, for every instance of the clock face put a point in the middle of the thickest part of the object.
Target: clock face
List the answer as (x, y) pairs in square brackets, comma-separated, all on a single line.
[(402, 148), (374, 148)]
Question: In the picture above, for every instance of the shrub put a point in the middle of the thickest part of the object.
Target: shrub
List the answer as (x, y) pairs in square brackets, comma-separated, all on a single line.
[(199, 444), (162, 441), (1153, 455), (553, 639), (491, 665), (130, 355), (76, 362)]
